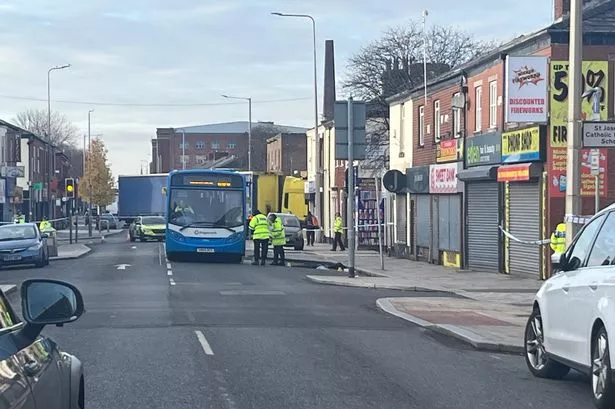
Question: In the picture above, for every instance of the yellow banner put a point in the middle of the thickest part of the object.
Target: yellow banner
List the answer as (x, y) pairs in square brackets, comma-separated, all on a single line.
[(521, 146), (594, 106)]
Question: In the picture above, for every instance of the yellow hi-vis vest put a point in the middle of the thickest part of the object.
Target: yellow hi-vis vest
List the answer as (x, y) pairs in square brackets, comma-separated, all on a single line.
[(45, 226), (338, 225), (278, 234), (260, 227)]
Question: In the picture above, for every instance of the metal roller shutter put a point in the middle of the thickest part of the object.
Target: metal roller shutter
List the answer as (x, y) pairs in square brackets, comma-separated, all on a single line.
[(483, 230), (422, 218), (525, 225), (401, 223)]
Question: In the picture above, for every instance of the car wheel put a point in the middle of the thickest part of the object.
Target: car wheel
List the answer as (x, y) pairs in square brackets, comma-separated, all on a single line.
[(536, 356), (602, 387)]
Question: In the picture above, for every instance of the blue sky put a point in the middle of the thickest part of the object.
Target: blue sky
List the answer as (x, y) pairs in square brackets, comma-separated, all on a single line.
[(191, 51)]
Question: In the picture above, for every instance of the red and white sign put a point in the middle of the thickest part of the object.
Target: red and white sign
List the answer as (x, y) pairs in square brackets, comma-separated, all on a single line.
[(526, 89), (443, 178)]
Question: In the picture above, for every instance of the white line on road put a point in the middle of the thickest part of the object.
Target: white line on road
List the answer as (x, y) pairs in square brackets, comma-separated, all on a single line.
[(169, 266), (171, 281), (203, 341), (169, 272)]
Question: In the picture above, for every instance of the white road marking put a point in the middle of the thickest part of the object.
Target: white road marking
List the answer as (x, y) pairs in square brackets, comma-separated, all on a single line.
[(203, 341), (171, 281), (169, 266), (169, 272), (159, 256), (122, 266)]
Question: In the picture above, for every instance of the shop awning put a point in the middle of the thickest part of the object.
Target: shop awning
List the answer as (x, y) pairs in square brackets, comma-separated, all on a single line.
[(486, 172), (519, 172)]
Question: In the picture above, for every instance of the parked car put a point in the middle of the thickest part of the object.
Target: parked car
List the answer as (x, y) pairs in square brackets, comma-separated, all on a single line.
[(292, 228), (572, 324), (147, 228), (35, 372), (108, 218), (23, 244)]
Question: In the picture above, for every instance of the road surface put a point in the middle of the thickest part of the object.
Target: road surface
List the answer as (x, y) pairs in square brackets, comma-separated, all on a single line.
[(191, 335)]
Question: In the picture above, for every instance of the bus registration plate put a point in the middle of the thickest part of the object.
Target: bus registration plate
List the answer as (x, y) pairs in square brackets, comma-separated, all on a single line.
[(205, 250)]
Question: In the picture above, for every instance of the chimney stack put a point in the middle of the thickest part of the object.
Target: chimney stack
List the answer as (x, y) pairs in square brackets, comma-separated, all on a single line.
[(562, 8), (329, 90)]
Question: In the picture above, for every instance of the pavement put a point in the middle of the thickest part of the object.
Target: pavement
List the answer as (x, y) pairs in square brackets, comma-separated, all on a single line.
[(489, 310), (188, 335)]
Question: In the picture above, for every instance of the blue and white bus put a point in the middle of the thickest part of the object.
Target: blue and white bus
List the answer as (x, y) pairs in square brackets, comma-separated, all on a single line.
[(206, 214)]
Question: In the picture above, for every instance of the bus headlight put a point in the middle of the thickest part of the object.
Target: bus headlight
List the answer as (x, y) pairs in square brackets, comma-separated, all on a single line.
[(234, 237), (177, 236)]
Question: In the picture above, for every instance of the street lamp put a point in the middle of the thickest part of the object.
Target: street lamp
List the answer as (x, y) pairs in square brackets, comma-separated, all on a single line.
[(318, 181), (51, 148), (89, 176), (183, 148), (249, 99)]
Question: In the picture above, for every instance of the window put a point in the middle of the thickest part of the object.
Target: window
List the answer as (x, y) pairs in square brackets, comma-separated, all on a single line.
[(493, 104), (181, 145), (184, 159), (436, 121), (582, 246), (478, 108), (603, 251), (200, 145), (456, 117), (402, 120), (215, 145), (200, 159), (421, 126)]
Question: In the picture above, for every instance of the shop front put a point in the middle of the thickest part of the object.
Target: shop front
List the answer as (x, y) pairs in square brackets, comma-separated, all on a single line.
[(522, 177), (483, 202), (419, 213), (394, 181), (445, 192)]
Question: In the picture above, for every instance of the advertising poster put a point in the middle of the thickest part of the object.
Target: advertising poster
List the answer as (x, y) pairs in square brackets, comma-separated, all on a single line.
[(557, 175), (595, 97), (526, 89), (594, 107)]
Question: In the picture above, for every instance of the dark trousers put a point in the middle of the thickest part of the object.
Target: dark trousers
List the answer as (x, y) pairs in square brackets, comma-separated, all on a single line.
[(310, 236), (337, 239), (278, 254), (260, 250)]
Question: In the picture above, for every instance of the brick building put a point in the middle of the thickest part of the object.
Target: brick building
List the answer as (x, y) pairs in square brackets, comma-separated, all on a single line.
[(214, 145), (287, 153), (465, 181)]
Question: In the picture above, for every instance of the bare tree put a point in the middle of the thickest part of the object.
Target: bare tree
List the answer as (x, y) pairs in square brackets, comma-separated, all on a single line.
[(394, 63), (63, 132), (261, 131)]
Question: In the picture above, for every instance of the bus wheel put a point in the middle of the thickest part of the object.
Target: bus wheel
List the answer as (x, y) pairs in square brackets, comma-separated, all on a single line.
[(238, 259)]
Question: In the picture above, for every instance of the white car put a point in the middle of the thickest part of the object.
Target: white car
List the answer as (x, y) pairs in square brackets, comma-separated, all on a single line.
[(572, 324)]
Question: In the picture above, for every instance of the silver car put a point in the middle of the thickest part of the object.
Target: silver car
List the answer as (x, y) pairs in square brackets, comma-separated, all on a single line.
[(293, 230)]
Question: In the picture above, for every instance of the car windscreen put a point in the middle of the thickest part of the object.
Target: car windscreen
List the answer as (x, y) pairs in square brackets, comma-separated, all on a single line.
[(17, 232), (290, 221), (153, 220)]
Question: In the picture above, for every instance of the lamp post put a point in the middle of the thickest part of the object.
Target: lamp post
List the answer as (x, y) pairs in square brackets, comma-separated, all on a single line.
[(51, 164), (318, 167), (89, 163), (183, 148), (249, 99)]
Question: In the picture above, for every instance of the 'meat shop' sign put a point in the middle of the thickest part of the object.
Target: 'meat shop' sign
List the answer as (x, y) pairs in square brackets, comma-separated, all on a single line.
[(443, 178)]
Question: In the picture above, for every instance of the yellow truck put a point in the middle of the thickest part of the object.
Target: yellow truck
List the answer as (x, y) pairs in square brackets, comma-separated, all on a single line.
[(275, 193)]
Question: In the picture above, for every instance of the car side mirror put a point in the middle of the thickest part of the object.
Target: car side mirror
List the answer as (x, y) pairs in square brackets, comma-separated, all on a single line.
[(44, 235), (45, 302)]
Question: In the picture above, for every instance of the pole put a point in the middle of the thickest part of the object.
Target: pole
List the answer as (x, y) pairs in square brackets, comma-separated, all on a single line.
[(378, 184), (49, 137), (573, 179), (249, 134), (90, 218), (350, 205), (319, 173), (69, 206), (597, 197), (425, 13)]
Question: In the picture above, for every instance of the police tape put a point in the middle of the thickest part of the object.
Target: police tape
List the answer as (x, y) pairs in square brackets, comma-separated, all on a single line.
[(570, 218), (359, 226), (528, 242)]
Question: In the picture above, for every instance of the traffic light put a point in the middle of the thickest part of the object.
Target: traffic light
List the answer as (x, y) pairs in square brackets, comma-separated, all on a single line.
[(69, 186)]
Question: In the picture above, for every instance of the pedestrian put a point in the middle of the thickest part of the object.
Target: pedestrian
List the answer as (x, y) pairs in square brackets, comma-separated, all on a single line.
[(19, 218), (558, 239), (45, 225), (311, 225), (338, 228), (278, 239), (259, 226)]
